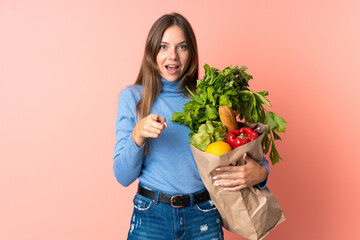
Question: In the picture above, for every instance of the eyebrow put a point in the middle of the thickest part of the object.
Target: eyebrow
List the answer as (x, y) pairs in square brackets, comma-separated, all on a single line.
[(177, 44)]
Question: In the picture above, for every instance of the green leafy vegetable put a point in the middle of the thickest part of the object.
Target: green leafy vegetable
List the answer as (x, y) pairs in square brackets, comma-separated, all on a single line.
[(209, 132), (229, 87)]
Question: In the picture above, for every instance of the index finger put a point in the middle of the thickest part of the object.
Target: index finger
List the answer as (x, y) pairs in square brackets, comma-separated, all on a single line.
[(163, 121)]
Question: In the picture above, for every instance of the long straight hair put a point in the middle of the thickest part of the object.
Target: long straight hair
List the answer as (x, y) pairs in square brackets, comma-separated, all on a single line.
[(149, 74)]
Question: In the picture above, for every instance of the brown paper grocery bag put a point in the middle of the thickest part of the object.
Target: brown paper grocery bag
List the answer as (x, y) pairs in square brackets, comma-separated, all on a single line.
[(252, 213)]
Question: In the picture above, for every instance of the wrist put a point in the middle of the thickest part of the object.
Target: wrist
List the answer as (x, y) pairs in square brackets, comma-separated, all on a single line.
[(264, 174), (138, 139)]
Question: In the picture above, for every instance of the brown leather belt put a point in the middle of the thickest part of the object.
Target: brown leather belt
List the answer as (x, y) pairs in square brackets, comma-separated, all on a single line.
[(176, 200)]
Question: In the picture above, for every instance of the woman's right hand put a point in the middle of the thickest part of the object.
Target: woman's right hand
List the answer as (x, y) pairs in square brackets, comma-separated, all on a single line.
[(150, 126)]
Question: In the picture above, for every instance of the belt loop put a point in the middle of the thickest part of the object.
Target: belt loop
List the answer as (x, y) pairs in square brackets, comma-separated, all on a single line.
[(191, 199), (156, 200)]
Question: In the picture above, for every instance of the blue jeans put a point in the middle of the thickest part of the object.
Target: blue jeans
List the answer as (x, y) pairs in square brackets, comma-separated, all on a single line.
[(160, 221)]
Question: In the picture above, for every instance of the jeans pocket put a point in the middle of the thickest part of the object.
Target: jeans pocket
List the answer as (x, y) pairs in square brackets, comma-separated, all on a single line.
[(142, 204), (206, 206)]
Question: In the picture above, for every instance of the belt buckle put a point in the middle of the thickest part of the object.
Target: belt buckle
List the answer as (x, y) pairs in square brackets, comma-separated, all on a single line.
[(172, 200)]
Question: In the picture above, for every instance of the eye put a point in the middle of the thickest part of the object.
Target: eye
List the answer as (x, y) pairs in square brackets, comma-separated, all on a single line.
[(163, 47), (182, 47)]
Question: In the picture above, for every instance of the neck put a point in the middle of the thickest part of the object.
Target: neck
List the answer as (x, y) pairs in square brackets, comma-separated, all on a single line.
[(170, 87)]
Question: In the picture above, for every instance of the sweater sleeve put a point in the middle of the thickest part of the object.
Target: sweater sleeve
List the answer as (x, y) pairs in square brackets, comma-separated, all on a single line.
[(128, 157), (265, 164)]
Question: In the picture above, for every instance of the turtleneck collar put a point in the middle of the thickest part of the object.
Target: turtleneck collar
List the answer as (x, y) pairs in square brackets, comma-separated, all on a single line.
[(170, 87)]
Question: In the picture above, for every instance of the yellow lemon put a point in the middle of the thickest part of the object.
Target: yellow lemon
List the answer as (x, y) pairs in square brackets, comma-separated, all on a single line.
[(218, 148)]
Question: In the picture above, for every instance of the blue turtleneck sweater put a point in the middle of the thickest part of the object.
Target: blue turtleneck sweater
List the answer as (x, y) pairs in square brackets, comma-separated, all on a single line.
[(169, 165)]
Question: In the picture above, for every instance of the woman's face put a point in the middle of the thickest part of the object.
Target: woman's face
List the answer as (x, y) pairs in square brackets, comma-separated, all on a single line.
[(173, 56)]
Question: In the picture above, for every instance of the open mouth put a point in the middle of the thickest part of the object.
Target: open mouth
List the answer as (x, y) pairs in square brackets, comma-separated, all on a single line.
[(172, 68)]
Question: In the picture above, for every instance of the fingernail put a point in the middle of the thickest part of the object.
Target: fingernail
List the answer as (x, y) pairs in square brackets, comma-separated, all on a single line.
[(218, 184), (218, 169), (156, 118), (165, 124), (215, 177), (245, 155)]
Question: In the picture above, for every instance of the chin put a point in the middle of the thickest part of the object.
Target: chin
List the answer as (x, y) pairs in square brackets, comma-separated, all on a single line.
[(171, 78)]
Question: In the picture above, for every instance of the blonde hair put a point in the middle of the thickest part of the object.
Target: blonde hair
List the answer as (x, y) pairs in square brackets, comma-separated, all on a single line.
[(149, 76)]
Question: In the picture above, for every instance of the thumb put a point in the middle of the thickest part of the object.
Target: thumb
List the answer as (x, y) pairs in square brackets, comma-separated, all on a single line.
[(155, 117), (247, 159)]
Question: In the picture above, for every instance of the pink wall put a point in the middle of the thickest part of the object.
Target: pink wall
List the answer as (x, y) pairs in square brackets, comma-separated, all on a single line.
[(63, 64)]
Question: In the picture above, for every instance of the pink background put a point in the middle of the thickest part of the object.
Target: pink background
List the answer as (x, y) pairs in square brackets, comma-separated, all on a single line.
[(63, 64)]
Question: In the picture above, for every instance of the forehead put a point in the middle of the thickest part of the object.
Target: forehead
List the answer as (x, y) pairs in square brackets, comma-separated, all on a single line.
[(173, 34)]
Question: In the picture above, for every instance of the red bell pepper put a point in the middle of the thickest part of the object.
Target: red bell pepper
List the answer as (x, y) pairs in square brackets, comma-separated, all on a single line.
[(239, 137)]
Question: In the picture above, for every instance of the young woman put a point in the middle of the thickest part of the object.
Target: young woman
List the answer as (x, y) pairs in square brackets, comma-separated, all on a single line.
[(171, 202)]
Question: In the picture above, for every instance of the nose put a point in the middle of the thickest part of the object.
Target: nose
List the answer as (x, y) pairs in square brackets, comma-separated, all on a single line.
[(173, 54)]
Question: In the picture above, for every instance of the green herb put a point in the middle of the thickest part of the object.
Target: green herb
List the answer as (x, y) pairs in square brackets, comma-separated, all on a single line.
[(230, 87)]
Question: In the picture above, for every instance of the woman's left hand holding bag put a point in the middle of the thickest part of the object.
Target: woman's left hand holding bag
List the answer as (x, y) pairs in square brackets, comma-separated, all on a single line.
[(240, 177)]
